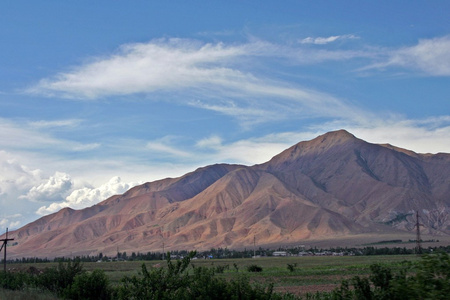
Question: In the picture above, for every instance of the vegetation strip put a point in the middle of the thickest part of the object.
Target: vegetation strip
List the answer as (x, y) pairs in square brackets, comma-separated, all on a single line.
[(420, 278)]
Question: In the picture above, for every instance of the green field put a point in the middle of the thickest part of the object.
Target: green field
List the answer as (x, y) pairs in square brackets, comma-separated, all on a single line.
[(310, 274)]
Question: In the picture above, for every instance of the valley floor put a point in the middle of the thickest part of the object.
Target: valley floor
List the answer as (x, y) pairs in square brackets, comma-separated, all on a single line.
[(296, 275)]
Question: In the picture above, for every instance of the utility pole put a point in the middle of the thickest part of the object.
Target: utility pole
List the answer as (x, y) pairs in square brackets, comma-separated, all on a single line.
[(418, 238), (5, 241)]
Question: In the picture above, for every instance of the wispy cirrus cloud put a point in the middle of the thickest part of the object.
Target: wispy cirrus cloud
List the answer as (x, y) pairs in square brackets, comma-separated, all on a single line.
[(427, 135), (16, 135), (196, 73), (429, 56), (147, 67), (327, 40), (164, 147), (69, 123)]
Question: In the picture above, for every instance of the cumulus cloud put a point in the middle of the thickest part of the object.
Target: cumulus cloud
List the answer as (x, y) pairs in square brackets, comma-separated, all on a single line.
[(327, 40), (15, 177), (88, 196), (56, 188), (10, 221)]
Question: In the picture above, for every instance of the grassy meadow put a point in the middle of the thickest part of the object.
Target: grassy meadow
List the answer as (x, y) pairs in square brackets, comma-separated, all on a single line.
[(307, 273)]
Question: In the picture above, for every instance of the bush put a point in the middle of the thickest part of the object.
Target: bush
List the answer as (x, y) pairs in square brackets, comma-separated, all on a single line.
[(254, 268), (13, 281), (291, 267), (94, 285), (70, 281), (221, 269), (158, 283), (57, 280)]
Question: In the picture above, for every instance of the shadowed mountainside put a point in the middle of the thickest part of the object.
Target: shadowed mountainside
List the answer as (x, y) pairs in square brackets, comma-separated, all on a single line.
[(335, 186)]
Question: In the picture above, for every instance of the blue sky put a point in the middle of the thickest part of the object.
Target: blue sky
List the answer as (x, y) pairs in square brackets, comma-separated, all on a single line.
[(98, 96)]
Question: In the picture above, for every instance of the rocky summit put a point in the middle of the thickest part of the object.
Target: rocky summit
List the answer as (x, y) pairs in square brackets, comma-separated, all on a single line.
[(333, 190)]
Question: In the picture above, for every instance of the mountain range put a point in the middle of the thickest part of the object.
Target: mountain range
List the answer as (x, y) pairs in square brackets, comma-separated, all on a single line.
[(333, 190)]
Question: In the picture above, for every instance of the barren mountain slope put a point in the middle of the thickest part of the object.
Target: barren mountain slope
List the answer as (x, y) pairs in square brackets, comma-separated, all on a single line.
[(363, 181)]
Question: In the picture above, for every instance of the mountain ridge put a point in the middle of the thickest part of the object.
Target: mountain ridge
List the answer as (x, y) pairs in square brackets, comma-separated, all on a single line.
[(333, 186)]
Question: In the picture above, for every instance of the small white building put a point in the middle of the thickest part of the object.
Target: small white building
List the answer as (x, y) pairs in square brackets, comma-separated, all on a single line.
[(280, 253)]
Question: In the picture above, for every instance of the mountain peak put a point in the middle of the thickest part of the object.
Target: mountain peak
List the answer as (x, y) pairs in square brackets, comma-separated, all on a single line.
[(336, 136), (331, 141)]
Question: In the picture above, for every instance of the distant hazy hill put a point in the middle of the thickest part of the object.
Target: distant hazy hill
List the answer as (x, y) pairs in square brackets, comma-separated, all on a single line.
[(335, 188)]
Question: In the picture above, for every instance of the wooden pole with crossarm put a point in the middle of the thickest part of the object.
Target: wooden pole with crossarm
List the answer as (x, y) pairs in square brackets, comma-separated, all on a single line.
[(5, 241)]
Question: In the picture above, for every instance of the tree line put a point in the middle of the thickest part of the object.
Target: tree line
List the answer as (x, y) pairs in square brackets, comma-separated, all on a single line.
[(221, 253)]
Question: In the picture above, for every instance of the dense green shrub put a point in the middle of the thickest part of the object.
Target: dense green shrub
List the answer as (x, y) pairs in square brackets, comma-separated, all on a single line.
[(159, 283), (57, 280), (221, 269), (254, 268), (70, 281), (291, 267), (13, 281), (89, 285)]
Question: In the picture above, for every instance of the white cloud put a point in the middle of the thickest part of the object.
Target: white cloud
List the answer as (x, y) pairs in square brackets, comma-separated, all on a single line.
[(88, 196), (33, 135), (177, 64), (327, 40), (54, 207), (220, 77), (163, 147), (210, 142), (16, 178), (430, 56), (431, 135), (143, 68), (251, 151), (230, 79), (56, 123), (56, 188), (10, 222)]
